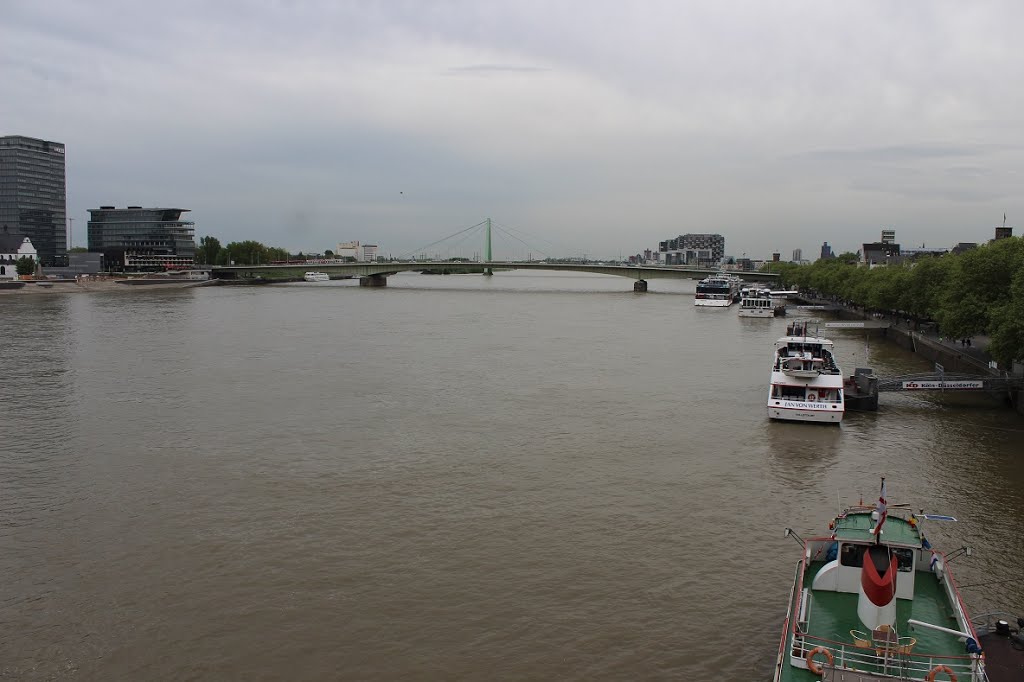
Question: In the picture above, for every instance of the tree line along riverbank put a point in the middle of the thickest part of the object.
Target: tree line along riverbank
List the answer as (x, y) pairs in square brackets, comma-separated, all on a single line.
[(978, 292)]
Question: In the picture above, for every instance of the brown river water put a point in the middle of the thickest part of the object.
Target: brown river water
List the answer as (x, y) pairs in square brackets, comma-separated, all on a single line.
[(524, 477)]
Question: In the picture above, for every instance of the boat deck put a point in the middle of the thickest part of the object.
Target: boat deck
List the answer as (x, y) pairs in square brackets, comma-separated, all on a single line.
[(858, 527), (832, 615)]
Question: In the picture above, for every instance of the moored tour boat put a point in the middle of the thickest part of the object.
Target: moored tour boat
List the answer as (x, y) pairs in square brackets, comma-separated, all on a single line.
[(316, 277), (759, 301), (806, 383), (719, 291), (873, 601), (178, 279)]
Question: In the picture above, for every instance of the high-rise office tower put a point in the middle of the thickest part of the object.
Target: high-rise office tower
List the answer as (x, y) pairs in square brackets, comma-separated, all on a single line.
[(33, 197)]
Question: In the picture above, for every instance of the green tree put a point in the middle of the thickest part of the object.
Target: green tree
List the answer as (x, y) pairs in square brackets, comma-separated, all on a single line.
[(276, 253), (1006, 342), (78, 249), (209, 250), (25, 265), (252, 252), (328, 253), (980, 286), (883, 288), (978, 292), (927, 284), (247, 252)]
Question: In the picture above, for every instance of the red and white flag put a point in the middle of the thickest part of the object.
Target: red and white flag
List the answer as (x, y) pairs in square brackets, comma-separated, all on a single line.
[(881, 509)]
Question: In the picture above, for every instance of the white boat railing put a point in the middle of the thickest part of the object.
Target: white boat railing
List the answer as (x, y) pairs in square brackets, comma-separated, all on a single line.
[(986, 622), (876, 660), (812, 403), (781, 661)]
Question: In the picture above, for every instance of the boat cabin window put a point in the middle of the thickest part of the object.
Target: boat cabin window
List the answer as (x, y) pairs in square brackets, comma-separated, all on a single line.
[(852, 555), (788, 392), (904, 557)]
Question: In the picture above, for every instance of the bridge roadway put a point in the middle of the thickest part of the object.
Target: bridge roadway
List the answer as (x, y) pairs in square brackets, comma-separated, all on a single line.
[(375, 274)]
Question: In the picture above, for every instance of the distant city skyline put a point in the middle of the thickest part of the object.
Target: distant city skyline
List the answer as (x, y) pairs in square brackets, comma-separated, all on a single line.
[(598, 127)]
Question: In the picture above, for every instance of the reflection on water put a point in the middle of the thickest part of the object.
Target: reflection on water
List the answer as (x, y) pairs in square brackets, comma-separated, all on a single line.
[(801, 453), (518, 477)]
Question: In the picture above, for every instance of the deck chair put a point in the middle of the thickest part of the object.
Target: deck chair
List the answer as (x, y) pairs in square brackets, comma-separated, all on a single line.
[(860, 639), (884, 639), (904, 645)]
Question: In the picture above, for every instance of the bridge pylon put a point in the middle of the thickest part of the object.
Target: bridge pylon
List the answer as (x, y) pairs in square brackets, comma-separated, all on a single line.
[(487, 248)]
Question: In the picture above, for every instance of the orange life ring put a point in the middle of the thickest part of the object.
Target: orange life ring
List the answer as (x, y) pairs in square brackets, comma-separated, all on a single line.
[(940, 669), (817, 669), (811, 397)]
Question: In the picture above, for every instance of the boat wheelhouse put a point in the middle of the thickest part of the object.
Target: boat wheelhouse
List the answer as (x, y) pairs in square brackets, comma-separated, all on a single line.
[(874, 602), (806, 383), (720, 291), (759, 302)]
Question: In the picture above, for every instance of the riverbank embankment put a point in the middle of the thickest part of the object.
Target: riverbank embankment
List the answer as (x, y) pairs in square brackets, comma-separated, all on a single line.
[(924, 341), (954, 357)]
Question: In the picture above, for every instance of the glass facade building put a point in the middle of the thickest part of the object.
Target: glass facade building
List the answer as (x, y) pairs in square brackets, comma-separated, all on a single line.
[(701, 250), (137, 239), (33, 197)]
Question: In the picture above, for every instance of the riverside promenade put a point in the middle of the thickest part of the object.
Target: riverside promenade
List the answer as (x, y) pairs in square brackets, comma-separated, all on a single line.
[(920, 337), (923, 339)]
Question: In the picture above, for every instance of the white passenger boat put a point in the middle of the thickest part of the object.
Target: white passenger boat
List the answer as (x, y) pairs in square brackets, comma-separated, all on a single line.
[(178, 279), (757, 306), (719, 291), (757, 301), (806, 382), (316, 277)]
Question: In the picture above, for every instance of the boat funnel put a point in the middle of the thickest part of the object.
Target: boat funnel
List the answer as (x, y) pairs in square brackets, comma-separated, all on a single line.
[(876, 604)]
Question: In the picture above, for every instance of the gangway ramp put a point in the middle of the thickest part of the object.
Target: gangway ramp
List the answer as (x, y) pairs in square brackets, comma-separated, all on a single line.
[(945, 381)]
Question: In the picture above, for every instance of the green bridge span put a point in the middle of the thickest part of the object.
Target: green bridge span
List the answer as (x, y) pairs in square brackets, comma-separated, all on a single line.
[(376, 274)]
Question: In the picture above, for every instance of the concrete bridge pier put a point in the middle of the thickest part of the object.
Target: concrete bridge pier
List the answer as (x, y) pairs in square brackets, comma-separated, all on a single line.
[(373, 281), (640, 286)]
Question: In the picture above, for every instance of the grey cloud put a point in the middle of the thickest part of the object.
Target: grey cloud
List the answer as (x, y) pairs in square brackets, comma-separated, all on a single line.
[(611, 125), (484, 69), (891, 154), (944, 191)]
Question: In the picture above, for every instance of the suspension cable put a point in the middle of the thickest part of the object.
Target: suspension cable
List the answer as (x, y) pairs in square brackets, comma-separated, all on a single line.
[(529, 246), (424, 248)]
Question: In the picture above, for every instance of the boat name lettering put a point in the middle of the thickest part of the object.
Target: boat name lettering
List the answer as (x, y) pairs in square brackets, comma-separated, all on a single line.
[(927, 385)]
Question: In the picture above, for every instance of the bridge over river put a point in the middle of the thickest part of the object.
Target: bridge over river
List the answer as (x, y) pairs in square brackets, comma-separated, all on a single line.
[(376, 274)]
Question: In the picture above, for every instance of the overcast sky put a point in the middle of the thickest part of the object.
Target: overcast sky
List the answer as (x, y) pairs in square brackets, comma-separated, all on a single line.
[(596, 127)]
